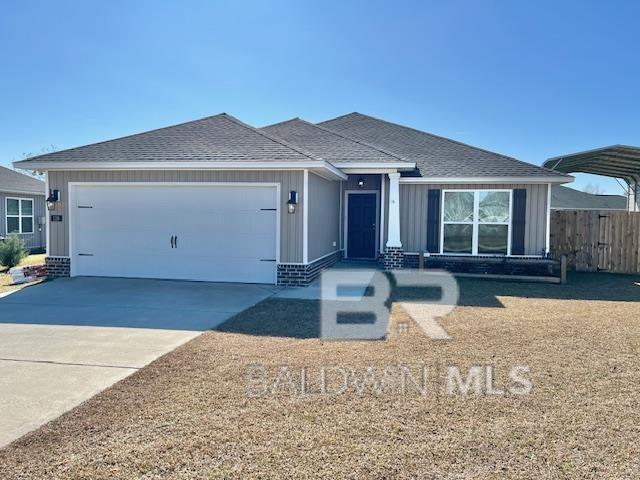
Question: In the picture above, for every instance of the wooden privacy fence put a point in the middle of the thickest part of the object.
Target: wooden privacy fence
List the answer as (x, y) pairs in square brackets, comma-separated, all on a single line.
[(597, 240)]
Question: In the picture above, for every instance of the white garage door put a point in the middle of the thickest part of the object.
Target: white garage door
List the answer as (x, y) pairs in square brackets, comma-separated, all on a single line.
[(218, 233)]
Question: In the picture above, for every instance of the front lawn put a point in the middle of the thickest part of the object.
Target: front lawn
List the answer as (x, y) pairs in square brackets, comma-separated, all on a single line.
[(191, 414), (6, 285)]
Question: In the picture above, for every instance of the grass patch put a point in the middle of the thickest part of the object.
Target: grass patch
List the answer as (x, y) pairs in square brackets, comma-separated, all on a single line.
[(187, 415)]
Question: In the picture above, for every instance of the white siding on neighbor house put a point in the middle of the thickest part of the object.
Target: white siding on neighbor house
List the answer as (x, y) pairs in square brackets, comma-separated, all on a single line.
[(324, 216), (290, 225), (413, 214), (37, 239)]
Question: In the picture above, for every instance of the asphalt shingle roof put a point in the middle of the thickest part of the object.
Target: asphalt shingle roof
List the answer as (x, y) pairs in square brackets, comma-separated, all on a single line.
[(220, 138), (569, 198), (12, 181), (434, 156), (350, 138), (331, 146)]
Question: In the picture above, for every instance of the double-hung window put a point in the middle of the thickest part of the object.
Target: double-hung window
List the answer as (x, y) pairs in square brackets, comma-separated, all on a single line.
[(476, 222), (19, 215)]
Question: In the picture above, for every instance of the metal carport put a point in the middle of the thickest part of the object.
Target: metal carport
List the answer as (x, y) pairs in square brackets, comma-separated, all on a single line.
[(618, 161)]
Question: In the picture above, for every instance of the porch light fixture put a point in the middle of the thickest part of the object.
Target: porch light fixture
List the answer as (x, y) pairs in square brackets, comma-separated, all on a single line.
[(52, 199), (293, 201), (361, 182)]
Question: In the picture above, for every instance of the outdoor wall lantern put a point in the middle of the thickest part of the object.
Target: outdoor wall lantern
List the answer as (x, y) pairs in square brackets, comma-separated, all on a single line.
[(360, 182), (52, 199), (293, 201)]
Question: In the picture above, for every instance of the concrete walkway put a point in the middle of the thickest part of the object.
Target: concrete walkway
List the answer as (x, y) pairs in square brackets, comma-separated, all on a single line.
[(63, 341)]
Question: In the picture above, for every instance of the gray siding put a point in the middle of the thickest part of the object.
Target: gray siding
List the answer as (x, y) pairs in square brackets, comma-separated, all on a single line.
[(290, 225), (413, 214), (371, 182), (36, 240), (324, 216)]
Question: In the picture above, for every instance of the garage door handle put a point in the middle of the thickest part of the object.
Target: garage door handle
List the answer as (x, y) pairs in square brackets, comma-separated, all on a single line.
[(171, 241), (175, 241)]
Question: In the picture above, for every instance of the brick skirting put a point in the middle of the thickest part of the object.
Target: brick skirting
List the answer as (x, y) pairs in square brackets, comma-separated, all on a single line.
[(393, 258), (486, 265), (296, 275), (57, 266)]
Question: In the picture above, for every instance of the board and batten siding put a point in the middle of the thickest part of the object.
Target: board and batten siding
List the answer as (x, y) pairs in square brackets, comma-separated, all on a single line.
[(290, 224), (413, 213), (324, 216), (37, 239)]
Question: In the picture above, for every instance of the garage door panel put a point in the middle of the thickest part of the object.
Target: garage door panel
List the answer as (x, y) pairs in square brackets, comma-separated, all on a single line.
[(119, 234), (144, 266), (250, 247), (224, 233), (227, 269)]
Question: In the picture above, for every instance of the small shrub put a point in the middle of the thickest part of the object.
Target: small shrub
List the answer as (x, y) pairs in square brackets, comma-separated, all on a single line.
[(12, 251)]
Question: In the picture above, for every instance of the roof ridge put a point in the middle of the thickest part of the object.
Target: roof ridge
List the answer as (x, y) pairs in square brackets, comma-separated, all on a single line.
[(444, 138), (345, 115), (360, 142), (221, 114), (272, 138), (281, 123)]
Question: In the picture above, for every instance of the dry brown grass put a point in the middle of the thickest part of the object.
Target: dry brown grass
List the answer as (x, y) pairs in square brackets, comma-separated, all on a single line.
[(6, 285), (187, 415)]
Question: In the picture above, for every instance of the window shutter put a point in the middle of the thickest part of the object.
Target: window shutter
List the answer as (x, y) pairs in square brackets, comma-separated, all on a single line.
[(433, 220), (518, 221)]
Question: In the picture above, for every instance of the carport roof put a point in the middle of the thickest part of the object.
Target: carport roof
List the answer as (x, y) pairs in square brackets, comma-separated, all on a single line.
[(620, 161)]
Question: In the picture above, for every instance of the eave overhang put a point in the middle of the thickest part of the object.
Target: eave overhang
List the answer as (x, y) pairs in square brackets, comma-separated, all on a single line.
[(322, 168)]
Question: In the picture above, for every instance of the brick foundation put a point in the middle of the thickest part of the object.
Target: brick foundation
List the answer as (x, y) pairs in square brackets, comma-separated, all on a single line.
[(57, 266), (393, 258), (296, 275), (486, 265)]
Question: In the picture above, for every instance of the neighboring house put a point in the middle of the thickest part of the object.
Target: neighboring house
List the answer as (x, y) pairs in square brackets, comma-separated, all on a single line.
[(22, 208), (218, 200), (565, 198)]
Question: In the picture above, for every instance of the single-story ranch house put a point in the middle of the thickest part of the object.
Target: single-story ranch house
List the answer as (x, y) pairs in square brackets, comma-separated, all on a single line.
[(218, 200), (22, 208)]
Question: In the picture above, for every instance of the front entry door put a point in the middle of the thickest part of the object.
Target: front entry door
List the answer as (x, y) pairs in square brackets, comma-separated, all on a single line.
[(361, 233)]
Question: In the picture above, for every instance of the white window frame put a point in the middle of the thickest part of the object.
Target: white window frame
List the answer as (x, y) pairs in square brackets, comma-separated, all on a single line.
[(20, 216), (476, 222)]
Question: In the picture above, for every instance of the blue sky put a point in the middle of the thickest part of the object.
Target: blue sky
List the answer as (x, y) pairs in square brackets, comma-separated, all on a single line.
[(527, 79)]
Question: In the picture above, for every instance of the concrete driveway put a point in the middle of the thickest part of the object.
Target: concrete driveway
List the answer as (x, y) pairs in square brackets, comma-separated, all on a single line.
[(63, 341)]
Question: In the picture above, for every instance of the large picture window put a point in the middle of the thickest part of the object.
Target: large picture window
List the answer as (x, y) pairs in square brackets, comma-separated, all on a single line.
[(19, 215), (476, 222)]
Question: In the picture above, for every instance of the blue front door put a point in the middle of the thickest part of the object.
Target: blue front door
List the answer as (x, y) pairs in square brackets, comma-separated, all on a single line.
[(361, 224)]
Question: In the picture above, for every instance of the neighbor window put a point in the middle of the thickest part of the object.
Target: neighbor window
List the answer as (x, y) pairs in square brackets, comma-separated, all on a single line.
[(19, 215), (476, 222)]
